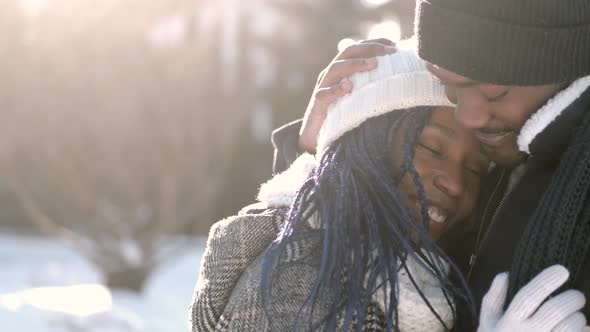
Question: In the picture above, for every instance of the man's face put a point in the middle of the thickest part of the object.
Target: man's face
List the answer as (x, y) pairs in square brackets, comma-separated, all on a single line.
[(496, 113)]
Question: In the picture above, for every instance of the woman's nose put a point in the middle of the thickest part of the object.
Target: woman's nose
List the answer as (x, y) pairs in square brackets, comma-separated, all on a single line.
[(450, 181)]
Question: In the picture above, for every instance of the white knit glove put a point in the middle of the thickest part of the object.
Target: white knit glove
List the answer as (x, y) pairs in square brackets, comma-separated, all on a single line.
[(528, 311)]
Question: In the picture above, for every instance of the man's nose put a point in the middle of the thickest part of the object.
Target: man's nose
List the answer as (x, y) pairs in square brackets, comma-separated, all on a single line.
[(472, 109)]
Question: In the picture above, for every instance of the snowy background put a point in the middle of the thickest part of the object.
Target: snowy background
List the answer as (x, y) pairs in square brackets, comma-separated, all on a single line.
[(46, 287)]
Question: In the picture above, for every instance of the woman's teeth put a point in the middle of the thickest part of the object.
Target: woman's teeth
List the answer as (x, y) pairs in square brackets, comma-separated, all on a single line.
[(437, 215)]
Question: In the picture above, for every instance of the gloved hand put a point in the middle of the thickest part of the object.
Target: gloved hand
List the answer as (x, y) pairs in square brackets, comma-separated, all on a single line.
[(529, 311), (333, 83)]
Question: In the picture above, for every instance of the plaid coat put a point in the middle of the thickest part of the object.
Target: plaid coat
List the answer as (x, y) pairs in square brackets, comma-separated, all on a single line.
[(227, 296), (234, 243)]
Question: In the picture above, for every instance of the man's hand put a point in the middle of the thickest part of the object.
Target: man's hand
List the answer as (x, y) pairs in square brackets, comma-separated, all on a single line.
[(532, 309), (333, 83)]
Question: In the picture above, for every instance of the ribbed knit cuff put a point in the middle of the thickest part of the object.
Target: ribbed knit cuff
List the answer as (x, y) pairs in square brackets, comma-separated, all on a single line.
[(499, 52)]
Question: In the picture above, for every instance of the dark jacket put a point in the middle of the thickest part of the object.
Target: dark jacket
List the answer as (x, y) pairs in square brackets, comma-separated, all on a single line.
[(509, 213), (508, 216)]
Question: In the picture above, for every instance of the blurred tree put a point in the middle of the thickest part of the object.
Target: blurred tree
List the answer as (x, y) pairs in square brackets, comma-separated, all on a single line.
[(305, 43), (117, 136)]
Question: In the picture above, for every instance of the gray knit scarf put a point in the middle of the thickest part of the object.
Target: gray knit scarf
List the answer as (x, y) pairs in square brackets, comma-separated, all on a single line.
[(559, 229)]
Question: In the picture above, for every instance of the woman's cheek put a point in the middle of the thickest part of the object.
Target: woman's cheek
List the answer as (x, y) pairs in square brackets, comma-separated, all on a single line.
[(421, 164)]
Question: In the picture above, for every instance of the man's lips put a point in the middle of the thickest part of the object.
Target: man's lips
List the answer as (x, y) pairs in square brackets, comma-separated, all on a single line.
[(493, 138)]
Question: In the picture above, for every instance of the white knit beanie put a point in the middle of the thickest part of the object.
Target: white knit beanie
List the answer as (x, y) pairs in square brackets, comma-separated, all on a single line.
[(400, 81)]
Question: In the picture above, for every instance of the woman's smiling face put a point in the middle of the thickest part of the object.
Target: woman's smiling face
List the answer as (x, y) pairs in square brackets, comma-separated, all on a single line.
[(450, 163)]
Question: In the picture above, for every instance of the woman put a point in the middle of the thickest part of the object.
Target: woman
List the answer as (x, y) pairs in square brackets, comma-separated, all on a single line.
[(358, 221)]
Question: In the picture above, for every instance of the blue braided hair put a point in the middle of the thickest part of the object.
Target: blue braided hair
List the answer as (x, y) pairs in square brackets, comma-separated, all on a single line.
[(367, 231)]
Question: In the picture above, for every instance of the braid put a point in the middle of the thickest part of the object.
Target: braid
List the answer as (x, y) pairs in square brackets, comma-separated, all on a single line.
[(409, 149), (559, 229)]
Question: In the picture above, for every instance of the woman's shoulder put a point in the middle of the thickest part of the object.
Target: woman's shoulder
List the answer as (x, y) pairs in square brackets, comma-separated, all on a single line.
[(284, 284), (233, 244), (262, 209), (255, 219)]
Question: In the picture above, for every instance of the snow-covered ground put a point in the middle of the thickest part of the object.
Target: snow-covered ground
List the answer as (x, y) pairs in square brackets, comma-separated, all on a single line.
[(46, 287)]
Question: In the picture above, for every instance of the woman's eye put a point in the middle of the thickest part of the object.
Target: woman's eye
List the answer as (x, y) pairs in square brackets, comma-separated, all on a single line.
[(430, 149)]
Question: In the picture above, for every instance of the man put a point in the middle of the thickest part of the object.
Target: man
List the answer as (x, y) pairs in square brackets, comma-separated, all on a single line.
[(518, 73)]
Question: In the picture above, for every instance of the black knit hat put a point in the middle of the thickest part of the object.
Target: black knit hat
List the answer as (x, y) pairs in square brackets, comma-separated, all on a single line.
[(512, 42)]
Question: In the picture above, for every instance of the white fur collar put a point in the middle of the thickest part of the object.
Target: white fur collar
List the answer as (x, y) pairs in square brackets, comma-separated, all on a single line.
[(550, 111), (281, 189)]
